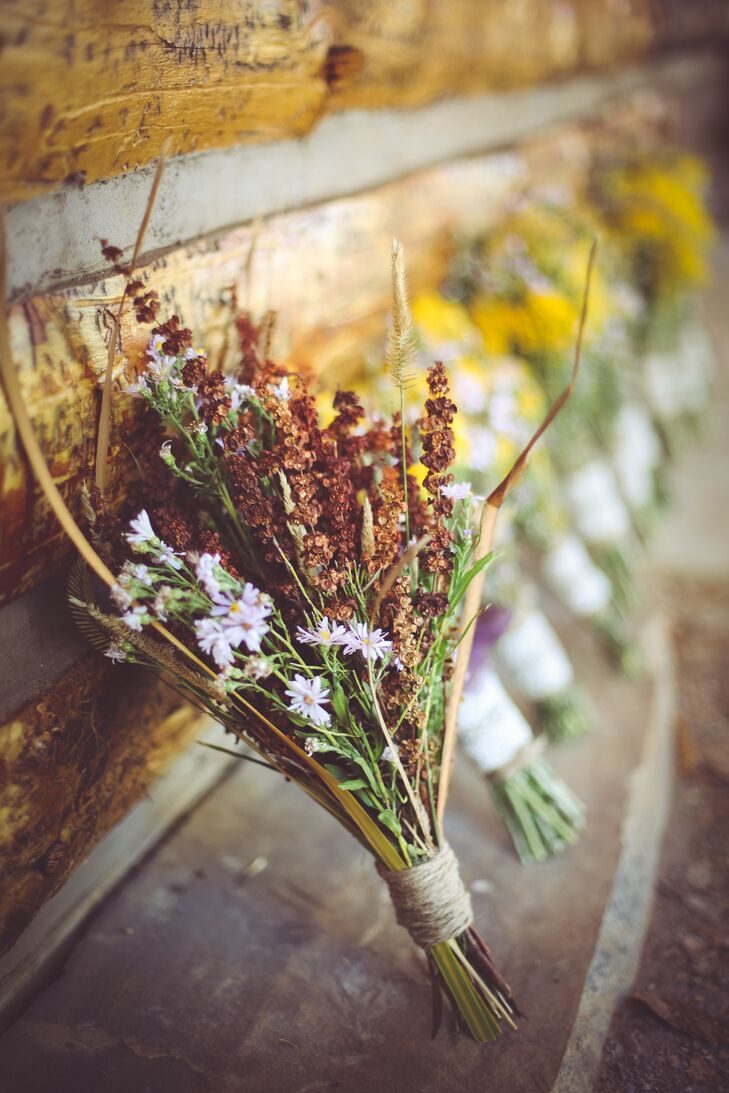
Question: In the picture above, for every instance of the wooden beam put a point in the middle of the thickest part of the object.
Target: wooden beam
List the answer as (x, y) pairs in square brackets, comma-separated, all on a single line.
[(91, 90), (74, 761)]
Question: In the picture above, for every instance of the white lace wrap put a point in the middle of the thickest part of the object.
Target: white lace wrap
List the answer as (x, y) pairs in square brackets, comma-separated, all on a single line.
[(492, 729), (534, 658), (596, 506), (571, 574), (636, 453), (678, 381)]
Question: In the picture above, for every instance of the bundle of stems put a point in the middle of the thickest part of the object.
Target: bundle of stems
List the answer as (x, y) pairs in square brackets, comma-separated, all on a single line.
[(565, 715), (541, 814)]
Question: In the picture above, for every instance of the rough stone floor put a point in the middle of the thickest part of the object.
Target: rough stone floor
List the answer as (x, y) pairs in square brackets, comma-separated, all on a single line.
[(254, 949)]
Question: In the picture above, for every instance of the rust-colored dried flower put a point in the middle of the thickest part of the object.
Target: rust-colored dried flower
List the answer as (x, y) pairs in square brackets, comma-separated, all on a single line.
[(177, 338), (215, 402), (387, 515), (438, 455), (194, 372), (146, 305)]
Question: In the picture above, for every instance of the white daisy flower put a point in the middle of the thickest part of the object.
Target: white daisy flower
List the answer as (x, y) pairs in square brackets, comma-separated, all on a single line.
[(389, 755), (370, 643), (167, 556), (457, 491), (213, 640), (142, 531), (132, 571), (115, 653), (308, 697), (325, 633), (238, 392), (119, 595), (136, 617), (311, 745), (205, 572), (154, 349), (253, 597), (135, 389), (243, 620), (163, 368)]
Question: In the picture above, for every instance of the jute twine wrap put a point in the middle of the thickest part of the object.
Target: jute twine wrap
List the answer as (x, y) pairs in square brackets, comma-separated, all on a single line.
[(430, 900), (523, 758)]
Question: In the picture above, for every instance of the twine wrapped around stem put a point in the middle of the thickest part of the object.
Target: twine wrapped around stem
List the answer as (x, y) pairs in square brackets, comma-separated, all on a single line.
[(523, 758), (430, 899)]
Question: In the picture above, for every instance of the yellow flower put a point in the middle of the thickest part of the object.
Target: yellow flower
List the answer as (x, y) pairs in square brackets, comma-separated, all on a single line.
[(655, 212), (441, 320)]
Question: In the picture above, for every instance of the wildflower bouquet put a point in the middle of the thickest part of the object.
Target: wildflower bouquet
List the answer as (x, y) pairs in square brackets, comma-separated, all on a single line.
[(294, 581), (533, 660)]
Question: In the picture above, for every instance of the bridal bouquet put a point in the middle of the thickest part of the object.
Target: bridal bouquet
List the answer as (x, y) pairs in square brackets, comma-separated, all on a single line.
[(296, 582)]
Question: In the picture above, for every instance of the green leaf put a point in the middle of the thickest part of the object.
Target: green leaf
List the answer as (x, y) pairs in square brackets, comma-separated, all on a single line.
[(361, 762), (353, 783), (390, 820), (339, 702), (459, 591)]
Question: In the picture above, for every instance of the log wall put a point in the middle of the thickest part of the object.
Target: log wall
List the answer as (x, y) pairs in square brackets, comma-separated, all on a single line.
[(92, 89)]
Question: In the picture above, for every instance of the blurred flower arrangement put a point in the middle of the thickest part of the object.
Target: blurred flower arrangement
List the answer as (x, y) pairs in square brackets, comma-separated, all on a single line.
[(652, 210), (519, 286)]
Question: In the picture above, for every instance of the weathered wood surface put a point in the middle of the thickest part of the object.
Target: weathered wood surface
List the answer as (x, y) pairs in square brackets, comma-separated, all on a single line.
[(72, 763), (89, 89), (325, 271)]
